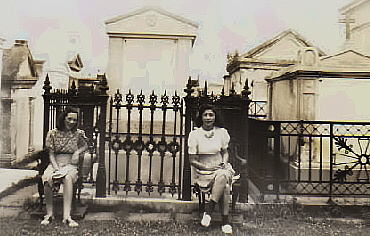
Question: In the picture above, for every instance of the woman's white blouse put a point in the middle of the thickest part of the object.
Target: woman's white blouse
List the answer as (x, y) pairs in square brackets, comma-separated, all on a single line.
[(208, 142)]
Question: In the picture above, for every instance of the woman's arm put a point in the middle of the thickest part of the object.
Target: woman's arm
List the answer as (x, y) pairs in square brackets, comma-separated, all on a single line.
[(193, 158), (76, 154), (240, 159), (52, 160), (82, 146), (49, 144), (225, 155), (234, 155)]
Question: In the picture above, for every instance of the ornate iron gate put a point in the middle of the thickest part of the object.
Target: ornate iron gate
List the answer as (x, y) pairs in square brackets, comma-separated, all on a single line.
[(145, 138)]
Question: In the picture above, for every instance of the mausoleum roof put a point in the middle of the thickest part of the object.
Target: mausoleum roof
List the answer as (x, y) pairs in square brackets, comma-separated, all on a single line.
[(15, 56), (345, 64), (271, 42), (20, 70), (151, 8), (347, 60), (350, 6), (151, 22)]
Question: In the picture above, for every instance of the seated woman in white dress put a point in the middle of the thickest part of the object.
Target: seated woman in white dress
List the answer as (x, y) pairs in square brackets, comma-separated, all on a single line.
[(208, 154)]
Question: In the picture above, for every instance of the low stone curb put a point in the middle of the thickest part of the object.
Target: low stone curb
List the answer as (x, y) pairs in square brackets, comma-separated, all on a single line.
[(17, 186)]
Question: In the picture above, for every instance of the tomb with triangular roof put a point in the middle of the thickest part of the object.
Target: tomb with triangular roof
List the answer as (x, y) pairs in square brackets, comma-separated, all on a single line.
[(356, 18), (273, 55), (20, 73), (149, 49), (333, 87)]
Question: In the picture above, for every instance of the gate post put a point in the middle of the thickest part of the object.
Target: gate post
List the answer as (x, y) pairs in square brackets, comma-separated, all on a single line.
[(331, 181), (101, 183), (46, 96), (189, 104), (244, 103)]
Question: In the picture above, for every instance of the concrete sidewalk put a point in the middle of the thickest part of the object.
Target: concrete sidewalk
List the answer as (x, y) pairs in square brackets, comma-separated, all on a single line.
[(15, 193), (11, 178), (16, 187)]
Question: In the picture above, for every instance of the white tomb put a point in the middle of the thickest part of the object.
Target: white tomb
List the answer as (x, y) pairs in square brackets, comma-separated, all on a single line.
[(149, 49)]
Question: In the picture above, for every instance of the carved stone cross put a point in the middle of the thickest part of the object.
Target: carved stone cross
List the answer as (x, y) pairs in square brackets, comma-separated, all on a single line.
[(347, 20)]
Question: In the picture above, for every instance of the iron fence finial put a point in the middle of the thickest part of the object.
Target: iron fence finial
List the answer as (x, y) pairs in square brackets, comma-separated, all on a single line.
[(141, 99), (205, 93), (164, 99), (103, 83), (73, 89), (129, 97), (47, 86), (152, 101), (189, 88), (246, 91)]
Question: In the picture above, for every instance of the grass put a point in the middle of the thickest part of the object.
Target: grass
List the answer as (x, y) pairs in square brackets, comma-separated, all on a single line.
[(263, 219), (288, 219)]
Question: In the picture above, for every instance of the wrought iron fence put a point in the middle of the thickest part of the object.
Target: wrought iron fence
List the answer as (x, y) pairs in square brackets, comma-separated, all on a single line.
[(258, 109), (310, 158), (146, 143), (145, 137)]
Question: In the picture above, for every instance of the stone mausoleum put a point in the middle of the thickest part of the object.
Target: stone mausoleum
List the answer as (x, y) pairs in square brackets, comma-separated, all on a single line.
[(149, 49)]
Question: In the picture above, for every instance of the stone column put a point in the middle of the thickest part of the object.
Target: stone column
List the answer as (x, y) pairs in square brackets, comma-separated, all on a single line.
[(182, 63), (2, 41), (20, 123), (115, 64)]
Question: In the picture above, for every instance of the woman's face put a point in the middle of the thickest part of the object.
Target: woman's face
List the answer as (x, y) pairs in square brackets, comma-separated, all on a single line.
[(70, 121), (208, 118)]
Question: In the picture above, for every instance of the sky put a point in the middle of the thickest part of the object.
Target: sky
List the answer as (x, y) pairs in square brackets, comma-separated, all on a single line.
[(224, 26)]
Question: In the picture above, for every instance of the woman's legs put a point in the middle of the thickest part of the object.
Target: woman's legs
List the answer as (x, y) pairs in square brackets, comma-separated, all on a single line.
[(67, 196), (225, 200), (48, 191), (219, 187), (67, 201), (221, 195)]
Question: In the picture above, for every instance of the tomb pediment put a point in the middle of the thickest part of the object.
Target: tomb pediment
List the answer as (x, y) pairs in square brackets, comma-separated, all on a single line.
[(19, 67), (282, 48), (358, 11), (151, 21), (348, 59), (354, 5)]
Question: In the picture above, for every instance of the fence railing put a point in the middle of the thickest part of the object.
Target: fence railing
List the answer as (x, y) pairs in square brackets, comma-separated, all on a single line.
[(145, 137), (258, 109), (327, 159)]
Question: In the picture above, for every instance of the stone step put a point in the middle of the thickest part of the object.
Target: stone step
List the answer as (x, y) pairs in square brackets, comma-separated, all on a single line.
[(78, 212)]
